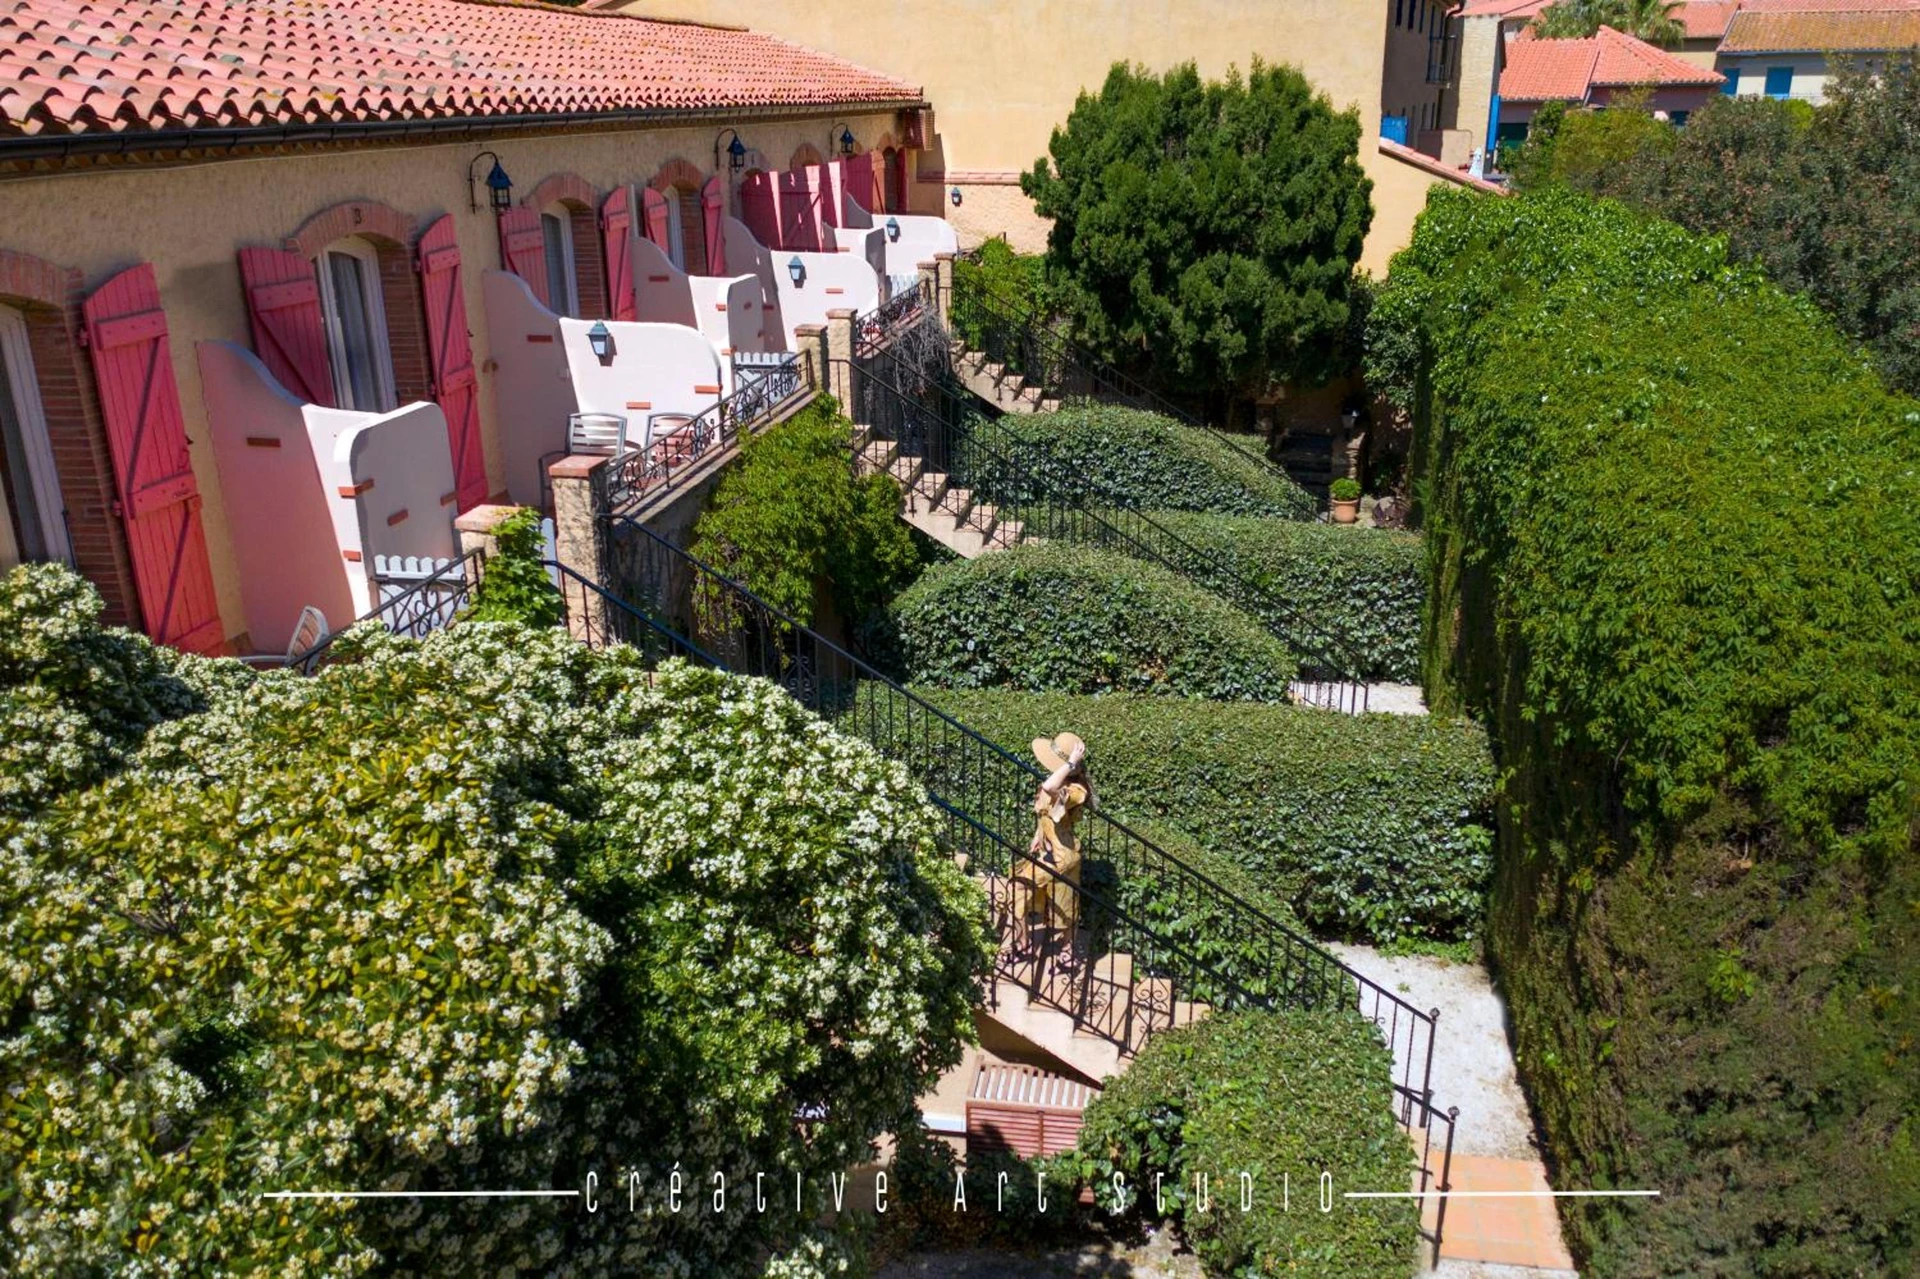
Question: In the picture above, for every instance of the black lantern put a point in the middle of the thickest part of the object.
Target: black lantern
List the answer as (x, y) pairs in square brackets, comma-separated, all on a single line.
[(954, 195), (499, 185), (893, 229), (736, 151), (846, 140), (600, 339), (798, 270)]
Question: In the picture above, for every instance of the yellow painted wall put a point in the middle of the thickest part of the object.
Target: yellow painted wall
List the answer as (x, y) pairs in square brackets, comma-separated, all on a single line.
[(1003, 74), (190, 221)]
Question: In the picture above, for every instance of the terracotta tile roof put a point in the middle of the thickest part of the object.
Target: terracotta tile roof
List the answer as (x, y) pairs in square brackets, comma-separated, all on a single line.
[(1821, 6), (1569, 70), (1707, 19), (1515, 9), (1822, 31), (90, 66)]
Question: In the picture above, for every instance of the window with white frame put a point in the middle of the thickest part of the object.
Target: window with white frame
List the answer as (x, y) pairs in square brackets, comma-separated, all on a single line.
[(33, 523), (556, 230), (676, 234), (349, 272)]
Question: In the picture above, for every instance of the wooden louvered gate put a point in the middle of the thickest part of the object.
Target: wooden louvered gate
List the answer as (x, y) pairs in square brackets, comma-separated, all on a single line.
[(757, 208), (653, 206), (523, 250), (157, 498), (616, 230), (289, 331), (450, 359)]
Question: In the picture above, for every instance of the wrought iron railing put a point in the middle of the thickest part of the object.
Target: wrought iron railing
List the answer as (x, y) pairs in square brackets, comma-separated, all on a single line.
[(903, 310), (931, 420), (1155, 942), (1034, 347), (664, 461), (412, 607), (1432, 1129)]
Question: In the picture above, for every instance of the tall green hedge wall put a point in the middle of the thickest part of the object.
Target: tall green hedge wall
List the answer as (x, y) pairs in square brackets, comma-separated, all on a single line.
[(1341, 593), (1673, 529), (1058, 618), (1133, 458), (1370, 826)]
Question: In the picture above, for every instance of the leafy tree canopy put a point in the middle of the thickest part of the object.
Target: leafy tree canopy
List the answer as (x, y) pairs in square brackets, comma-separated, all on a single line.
[(1654, 21), (1825, 198), (1207, 229)]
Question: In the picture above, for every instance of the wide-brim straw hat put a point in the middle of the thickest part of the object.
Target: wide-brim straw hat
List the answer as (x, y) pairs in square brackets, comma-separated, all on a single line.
[(1052, 753)]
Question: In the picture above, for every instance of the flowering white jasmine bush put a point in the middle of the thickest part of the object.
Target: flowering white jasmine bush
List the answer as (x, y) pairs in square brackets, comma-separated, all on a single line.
[(492, 911)]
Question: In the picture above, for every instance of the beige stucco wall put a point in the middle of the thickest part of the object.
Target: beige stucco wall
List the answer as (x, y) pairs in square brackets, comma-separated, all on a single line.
[(189, 221), (1809, 73), (1478, 70)]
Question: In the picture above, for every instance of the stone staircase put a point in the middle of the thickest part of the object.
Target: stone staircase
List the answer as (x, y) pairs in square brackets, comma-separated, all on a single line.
[(1007, 391), (949, 513)]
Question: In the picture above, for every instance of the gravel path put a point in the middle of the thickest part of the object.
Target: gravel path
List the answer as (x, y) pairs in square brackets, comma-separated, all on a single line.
[(1472, 1060)]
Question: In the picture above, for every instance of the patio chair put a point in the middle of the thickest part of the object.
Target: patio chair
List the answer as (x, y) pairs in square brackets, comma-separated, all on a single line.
[(591, 434), (308, 634)]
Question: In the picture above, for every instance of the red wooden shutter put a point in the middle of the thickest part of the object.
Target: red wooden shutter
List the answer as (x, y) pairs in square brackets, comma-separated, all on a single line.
[(523, 250), (713, 212), (289, 333), (897, 181), (654, 206), (798, 228), (857, 174), (450, 358), (616, 227), (158, 499), (758, 210)]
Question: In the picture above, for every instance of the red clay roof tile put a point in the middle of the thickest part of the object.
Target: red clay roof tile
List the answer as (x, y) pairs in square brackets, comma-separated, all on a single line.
[(87, 66), (1569, 70), (1859, 28)]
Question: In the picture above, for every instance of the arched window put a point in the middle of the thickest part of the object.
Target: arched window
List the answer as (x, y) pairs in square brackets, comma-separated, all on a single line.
[(32, 523), (563, 280), (349, 271)]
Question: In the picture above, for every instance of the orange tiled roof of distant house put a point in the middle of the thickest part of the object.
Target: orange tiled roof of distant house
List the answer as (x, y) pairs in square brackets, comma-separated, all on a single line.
[(1707, 19), (1854, 30), (1569, 70), (1504, 8), (119, 66)]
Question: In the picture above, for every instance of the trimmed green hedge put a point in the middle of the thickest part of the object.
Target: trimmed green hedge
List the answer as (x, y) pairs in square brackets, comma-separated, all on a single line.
[(1131, 458), (1672, 527), (1347, 590), (1057, 618), (1370, 826), (1272, 1094)]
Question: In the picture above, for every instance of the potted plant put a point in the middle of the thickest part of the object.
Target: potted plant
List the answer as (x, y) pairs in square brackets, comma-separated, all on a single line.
[(1345, 493)]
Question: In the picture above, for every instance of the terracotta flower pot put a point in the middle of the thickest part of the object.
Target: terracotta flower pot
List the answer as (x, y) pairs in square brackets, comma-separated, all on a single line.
[(1345, 512)]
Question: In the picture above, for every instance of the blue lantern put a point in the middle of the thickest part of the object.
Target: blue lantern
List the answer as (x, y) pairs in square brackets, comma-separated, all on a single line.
[(893, 229), (600, 339), (798, 270)]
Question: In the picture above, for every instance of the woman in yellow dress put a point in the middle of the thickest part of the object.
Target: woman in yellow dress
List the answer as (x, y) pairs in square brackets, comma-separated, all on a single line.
[(1052, 896)]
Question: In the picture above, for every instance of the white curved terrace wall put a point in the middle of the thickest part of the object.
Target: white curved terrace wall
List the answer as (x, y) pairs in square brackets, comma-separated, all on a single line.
[(654, 368), (532, 386)]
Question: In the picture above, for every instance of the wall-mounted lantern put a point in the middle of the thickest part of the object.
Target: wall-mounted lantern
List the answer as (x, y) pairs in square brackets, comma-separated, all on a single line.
[(600, 339), (736, 151), (499, 185), (846, 140), (954, 195), (797, 270), (893, 229)]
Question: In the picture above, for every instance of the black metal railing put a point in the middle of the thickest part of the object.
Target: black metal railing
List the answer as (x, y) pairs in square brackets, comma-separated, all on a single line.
[(941, 428), (1035, 348), (903, 310), (662, 462), (412, 607), (1432, 1130), (1147, 941)]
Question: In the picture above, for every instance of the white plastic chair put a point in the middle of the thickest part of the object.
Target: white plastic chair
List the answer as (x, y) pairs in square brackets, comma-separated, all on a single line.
[(593, 434), (308, 634)]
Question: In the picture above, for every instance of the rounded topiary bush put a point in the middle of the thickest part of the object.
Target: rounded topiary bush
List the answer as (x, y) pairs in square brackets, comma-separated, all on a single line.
[(1349, 598), (1130, 458), (489, 910), (1290, 1094), (1067, 619)]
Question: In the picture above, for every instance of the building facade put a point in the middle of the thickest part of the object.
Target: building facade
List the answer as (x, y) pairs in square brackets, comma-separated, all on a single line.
[(323, 186)]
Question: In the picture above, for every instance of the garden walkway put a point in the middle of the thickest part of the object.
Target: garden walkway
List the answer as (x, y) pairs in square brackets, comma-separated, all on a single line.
[(1503, 1238)]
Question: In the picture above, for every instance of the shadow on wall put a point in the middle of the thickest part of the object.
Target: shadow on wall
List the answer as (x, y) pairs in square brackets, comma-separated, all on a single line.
[(317, 496)]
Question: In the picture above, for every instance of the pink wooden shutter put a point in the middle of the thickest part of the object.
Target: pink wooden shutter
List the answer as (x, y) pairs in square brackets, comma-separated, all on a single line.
[(616, 226), (798, 229), (713, 211), (757, 208), (289, 333), (523, 250), (897, 182), (857, 173), (450, 358), (158, 499), (654, 206)]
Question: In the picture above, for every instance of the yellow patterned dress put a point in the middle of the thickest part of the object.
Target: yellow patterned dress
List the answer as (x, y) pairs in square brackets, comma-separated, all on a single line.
[(1055, 904)]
